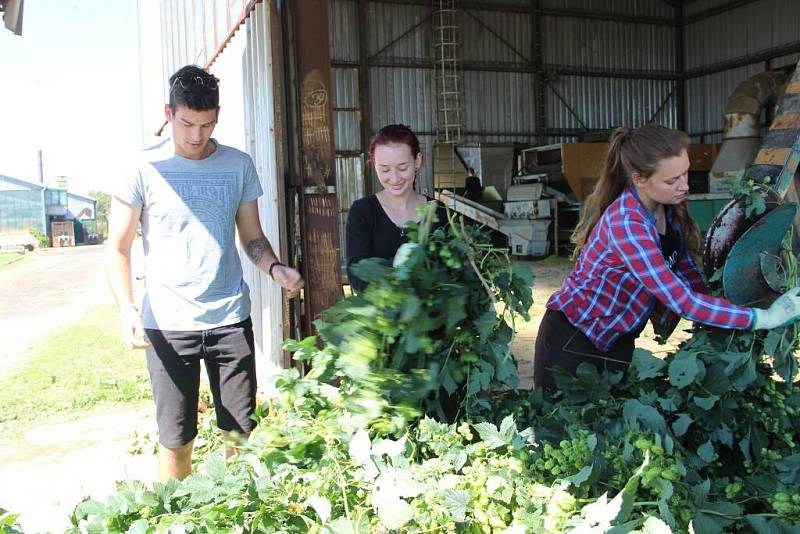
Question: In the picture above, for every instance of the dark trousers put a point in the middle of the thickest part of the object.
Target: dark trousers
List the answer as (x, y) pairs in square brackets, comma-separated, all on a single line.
[(560, 344)]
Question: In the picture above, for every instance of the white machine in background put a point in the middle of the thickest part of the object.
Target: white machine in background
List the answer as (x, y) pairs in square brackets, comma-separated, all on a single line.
[(525, 221)]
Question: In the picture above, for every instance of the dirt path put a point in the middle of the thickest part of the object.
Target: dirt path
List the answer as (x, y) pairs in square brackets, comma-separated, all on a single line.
[(53, 467), (52, 289)]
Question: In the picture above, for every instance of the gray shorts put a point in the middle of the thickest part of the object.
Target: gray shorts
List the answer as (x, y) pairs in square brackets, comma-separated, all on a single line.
[(173, 361)]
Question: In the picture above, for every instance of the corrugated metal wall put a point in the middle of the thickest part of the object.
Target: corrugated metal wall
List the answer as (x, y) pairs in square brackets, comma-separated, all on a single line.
[(716, 48)]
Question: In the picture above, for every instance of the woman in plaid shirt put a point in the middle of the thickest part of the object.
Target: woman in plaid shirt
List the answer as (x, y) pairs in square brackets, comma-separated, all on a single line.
[(634, 261)]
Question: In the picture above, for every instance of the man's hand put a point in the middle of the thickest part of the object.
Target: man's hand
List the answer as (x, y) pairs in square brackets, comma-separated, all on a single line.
[(289, 279), (132, 330)]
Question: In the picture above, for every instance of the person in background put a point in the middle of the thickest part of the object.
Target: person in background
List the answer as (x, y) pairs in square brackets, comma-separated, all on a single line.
[(634, 261), (376, 223), (473, 190), (191, 194)]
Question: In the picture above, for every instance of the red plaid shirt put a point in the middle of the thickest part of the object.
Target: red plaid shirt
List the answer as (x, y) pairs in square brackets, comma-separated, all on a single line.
[(621, 279)]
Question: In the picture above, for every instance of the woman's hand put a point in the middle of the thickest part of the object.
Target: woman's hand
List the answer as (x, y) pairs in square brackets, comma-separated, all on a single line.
[(782, 312)]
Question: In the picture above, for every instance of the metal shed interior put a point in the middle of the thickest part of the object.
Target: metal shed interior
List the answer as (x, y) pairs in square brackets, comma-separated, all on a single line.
[(546, 71)]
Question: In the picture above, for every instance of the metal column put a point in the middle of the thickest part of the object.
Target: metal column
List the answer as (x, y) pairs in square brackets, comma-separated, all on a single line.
[(319, 208)]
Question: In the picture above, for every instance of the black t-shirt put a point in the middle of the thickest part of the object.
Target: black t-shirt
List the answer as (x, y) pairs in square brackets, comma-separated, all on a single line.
[(671, 246), (370, 233)]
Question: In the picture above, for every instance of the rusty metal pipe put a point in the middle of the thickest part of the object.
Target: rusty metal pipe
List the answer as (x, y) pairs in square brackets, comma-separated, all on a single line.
[(743, 110)]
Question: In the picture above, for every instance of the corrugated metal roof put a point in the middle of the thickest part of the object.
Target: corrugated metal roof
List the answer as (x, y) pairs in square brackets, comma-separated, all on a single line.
[(698, 6), (20, 182), (608, 44), (643, 8)]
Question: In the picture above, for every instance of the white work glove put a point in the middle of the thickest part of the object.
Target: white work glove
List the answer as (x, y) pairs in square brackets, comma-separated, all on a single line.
[(782, 312)]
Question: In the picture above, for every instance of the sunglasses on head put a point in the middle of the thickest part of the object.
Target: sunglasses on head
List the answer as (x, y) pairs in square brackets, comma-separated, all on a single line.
[(188, 80)]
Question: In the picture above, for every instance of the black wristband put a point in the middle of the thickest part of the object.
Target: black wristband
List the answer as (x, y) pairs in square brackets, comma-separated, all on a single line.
[(274, 264)]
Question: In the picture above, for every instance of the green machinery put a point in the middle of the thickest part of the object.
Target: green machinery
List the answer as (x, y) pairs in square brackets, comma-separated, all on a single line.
[(749, 247)]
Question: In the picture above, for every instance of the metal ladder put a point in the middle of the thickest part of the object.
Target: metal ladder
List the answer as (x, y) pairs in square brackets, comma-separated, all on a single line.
[(448, 77)]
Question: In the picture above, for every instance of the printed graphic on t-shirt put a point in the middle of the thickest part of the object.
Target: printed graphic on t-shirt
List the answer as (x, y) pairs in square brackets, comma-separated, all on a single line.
[(208, 200), (672, 260)]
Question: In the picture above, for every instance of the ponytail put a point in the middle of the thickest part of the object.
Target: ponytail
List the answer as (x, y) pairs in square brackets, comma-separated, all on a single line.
[(635, 150), (611, 184)]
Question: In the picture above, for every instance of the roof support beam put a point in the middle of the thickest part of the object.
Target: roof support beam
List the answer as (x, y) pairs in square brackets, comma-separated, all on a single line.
[(714, 11)]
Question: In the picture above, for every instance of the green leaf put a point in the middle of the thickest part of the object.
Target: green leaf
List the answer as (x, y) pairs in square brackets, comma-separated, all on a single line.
[(706, 402), (681, 425), (140, 526), (359, 448), (654, 525), (215, 467), (706, 451), (683, 369), (700, 492), (734, 360), (485, 323), (342, 525), (644, 365), (746, 377), (789, 469), (634, 412), (411, 309), (489, 433), (456, 501), (393, 512), (772, 341), (722, 514), (508, 429), (456, 311), (581, 476), (321, 506), (761, 526)]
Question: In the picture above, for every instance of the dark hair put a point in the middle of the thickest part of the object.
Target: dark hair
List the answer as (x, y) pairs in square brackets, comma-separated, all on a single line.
[(193, 88), (394, 133), (638, 150)]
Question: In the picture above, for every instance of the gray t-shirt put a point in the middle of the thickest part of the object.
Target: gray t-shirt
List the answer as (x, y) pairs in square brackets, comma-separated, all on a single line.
[(193, 276)]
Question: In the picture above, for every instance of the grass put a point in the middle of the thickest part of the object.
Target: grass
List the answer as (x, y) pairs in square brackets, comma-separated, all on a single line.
[(8, 259), (80, 367)]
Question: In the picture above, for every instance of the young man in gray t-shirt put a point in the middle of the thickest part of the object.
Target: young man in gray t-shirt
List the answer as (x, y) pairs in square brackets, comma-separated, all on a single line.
[(191, 194)]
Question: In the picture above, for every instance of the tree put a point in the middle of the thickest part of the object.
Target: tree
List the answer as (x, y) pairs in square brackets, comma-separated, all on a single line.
[(103, 203)]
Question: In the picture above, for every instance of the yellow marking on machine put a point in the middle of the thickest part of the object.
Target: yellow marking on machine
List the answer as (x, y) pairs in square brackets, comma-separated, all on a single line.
[(786, 122), (793, 87), (772, 156)]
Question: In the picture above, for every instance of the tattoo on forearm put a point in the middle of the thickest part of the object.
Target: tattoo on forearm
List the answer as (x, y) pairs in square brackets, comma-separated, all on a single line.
[(256, 249)]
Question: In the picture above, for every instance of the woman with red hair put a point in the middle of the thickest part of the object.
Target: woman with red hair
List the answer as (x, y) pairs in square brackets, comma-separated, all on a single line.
[(376, 223)]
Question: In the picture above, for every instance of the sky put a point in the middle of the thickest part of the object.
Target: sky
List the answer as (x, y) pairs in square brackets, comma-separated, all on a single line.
[(69, 86)]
